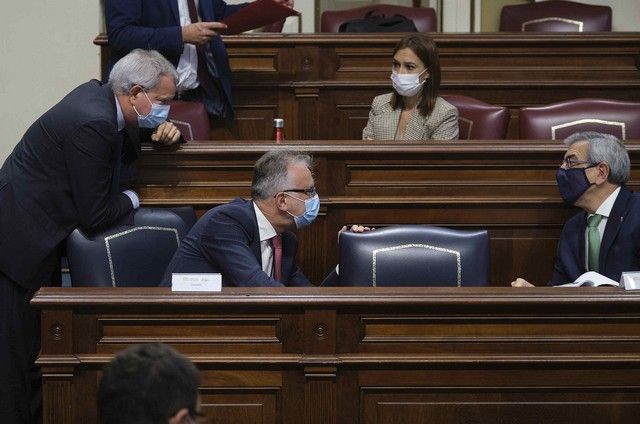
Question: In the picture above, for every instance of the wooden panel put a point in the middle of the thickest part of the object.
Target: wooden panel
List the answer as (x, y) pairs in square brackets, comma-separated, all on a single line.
[(240, 406), (366, 355), (222, 334), (524, 406)]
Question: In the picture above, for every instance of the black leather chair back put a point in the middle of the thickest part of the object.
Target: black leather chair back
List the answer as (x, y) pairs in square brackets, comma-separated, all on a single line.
[(126, 255), (187, 214), (414, 255)]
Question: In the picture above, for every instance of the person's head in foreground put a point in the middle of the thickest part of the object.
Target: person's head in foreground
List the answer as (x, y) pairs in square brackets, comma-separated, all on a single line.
[(415, 72), (149, 384), (284, 190)]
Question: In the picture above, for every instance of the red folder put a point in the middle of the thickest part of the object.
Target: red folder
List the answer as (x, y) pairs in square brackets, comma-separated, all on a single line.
[(258, 14)]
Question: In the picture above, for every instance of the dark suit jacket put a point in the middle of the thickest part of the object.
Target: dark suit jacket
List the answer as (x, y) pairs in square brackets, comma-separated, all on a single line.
[(58, 178), (226, 240), (155, 25), (619, 248)]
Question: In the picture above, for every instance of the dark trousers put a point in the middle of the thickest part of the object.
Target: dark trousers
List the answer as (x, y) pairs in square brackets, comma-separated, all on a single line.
[(20, 379)]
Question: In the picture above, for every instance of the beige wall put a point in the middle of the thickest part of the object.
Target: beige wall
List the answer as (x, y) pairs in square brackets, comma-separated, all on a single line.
[(46, 50)]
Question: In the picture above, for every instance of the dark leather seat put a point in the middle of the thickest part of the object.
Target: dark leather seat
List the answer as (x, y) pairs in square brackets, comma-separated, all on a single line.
[(557, 121), (187, 214), (555, 16), (414, 255), (478, 120), (424, 18), (191, 118), (126, 255)]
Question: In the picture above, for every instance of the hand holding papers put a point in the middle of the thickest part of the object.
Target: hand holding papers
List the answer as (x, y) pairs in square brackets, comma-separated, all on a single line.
[(256, 15)]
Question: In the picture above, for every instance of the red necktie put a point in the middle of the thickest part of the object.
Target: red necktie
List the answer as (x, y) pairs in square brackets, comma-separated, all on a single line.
[(276, 242), (203, 73)]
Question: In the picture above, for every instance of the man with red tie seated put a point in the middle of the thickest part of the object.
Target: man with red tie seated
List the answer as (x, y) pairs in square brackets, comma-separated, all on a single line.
[(252, 242), (605, 236)]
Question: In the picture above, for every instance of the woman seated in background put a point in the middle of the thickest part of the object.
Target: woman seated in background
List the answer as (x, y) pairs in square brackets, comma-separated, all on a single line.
[(413, 111)]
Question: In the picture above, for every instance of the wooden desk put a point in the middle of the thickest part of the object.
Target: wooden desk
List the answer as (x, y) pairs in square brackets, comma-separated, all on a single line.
[(508, 187), (370, 356), (323, 84)]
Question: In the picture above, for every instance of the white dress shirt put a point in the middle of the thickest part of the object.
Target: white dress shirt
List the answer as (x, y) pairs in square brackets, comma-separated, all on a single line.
[(605, 211), (188, 64), (266, 232)]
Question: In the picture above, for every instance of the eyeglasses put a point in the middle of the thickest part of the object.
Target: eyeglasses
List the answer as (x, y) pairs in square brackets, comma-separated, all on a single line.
[(311, 192), (571, 162)]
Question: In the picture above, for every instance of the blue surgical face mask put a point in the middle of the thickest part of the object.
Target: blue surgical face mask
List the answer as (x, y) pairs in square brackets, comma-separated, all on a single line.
[(156, 116), (311, 209), (572, 183)]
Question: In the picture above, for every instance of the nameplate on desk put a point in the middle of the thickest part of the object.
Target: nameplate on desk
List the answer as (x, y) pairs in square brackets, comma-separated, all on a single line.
[(630, 280), (196, 282)]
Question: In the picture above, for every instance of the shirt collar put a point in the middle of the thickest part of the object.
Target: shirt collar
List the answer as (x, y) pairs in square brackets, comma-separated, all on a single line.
[(265, 229), (607, 205), (119, 115)]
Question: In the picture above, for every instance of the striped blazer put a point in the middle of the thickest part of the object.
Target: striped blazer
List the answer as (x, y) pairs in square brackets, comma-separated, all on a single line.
[(440, 124)]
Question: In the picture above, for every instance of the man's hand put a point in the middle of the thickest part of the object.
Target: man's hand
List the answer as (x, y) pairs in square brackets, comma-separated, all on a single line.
[(354, 228), (166, 134), (201, 32), (288, 3), (521, 282)]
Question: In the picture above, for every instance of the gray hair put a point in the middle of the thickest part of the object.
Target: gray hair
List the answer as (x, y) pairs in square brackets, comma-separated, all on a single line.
[(608, 149), (271, 172), (140, 67)]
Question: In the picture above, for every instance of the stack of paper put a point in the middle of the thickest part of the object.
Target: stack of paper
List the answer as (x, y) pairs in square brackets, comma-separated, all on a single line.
[(591, 279)]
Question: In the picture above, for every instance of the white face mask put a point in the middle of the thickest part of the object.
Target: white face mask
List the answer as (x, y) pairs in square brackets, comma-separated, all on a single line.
[(407, 85)]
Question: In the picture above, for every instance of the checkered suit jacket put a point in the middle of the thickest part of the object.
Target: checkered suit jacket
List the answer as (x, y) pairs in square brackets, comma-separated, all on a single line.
[(441, 124)]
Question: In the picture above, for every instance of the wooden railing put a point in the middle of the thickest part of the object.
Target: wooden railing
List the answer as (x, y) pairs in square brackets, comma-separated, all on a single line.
[(360, 355)]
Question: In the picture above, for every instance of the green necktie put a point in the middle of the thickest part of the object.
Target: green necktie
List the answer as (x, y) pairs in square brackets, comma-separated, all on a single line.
[(593, 235)]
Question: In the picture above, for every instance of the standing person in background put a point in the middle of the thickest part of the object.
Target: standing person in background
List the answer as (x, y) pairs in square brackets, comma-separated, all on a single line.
[(413, 111), (64, 174), (186, 32)]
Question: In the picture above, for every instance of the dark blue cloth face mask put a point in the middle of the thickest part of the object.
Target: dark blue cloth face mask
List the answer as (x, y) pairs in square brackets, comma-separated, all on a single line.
[(572, 183)]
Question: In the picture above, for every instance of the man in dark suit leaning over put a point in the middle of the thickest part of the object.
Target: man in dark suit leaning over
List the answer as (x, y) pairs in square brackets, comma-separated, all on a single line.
[(63, 174), (605, 236), (251, 242)]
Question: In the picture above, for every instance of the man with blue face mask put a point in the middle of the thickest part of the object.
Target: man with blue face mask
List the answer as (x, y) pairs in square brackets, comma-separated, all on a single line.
[(253, 242), (605, 236), (64, 174)]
